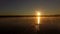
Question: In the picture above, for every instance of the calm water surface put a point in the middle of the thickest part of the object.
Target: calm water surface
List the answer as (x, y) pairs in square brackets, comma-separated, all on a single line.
[(24, 25)]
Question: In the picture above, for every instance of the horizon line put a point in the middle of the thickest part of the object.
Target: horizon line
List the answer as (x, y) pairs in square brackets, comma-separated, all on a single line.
[(29, 16)]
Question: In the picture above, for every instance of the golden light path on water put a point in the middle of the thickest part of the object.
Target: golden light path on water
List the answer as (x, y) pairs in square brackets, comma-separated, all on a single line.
[(38, 17), (38, 21)]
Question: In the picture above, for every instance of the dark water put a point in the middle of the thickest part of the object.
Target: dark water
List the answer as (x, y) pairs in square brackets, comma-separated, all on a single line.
[(26, 25)]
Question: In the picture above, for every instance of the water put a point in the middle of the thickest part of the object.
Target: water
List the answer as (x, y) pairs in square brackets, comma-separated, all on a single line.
[(26, 25)]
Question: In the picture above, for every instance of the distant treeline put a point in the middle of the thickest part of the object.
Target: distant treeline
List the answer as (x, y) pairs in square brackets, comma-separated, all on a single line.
[(29, 16)]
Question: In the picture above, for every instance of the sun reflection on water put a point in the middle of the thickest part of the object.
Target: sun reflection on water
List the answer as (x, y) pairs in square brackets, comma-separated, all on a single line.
[(38, 21), (38, 18)]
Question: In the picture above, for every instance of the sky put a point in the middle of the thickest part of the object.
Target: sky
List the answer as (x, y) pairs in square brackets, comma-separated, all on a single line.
[(29, 7)]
